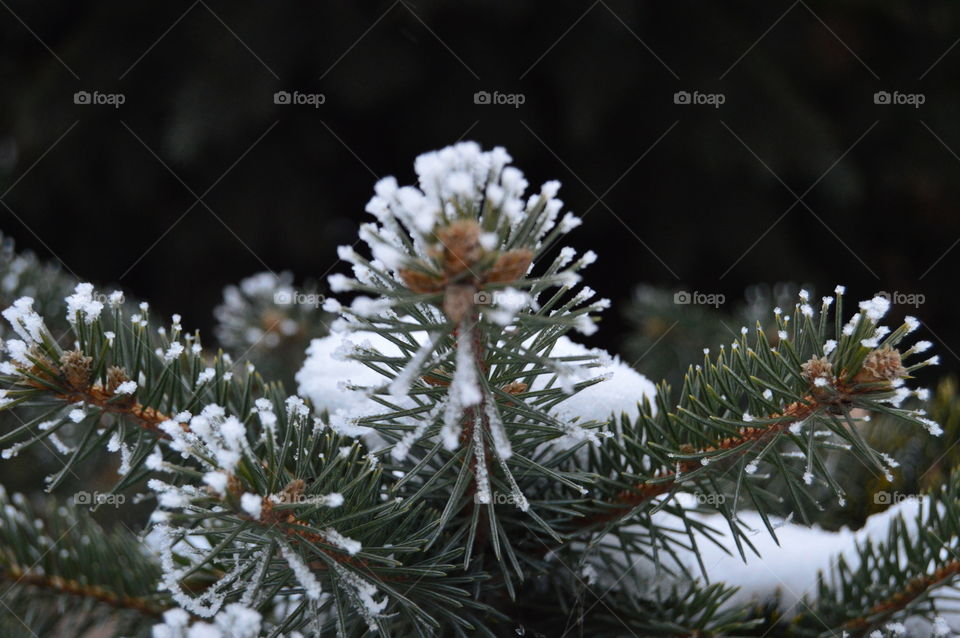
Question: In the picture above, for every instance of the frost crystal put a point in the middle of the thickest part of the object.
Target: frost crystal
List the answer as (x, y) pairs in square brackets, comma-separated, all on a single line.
[(82, 304), (25, 322), (363, 593), (347, 544), (875, 308), (309, 582), (127, 387)]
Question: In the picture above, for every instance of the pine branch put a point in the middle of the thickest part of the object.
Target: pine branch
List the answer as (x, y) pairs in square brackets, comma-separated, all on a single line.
[(756, 406), (472, 477), (268, 321), (276, 494), (910, 574), (58, 558)]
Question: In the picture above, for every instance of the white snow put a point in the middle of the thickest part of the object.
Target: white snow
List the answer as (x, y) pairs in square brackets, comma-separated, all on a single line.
[(346, 544), (621, 392), (252, 504), (216, 480), (322, 377), (309, 582), (127, 387), (24, 320), (82, 302), (789, 569), (324, 373)]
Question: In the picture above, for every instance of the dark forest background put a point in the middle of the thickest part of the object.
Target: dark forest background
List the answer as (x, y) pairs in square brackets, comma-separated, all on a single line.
[(680, 196)]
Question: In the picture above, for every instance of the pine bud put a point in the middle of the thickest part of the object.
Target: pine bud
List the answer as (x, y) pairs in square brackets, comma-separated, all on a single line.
[(115, 376), (293, 491), (461, 246), (75, 367), (420, 282), (510, 266), (515, 387), (883, 364), (458, 301), (817, 368)]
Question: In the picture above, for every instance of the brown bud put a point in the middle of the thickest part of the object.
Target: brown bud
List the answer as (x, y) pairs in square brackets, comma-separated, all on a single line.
[(115, 376), (435, 377), (817, 368), (510, 266), (515, 387), (420, 282), (458, 301), (883, 364), (272, 320), (461, 245), (293, 491), (234, 486), (75, 367)]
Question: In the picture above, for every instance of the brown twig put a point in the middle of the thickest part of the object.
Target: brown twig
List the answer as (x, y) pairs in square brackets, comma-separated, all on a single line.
[(797, 411), (914, 588), (96, 592)]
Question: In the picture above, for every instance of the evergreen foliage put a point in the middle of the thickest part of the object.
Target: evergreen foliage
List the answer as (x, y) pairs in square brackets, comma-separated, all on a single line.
[(473, 488)]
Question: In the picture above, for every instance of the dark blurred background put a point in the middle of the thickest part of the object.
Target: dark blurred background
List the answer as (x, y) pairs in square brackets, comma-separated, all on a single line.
[(683, 196)]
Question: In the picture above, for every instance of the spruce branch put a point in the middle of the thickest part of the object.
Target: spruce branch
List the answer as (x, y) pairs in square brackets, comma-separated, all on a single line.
[(274, 492), (911, 573), (758, 410), (58, 558), (269, 320), (471, 400), (460, 477)]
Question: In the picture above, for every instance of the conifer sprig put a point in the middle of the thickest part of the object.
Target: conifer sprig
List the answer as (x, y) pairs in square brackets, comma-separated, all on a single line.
[(459, 482), (762, 409)]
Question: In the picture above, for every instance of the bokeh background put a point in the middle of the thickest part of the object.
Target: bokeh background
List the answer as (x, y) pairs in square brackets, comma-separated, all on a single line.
[(681, 196)]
